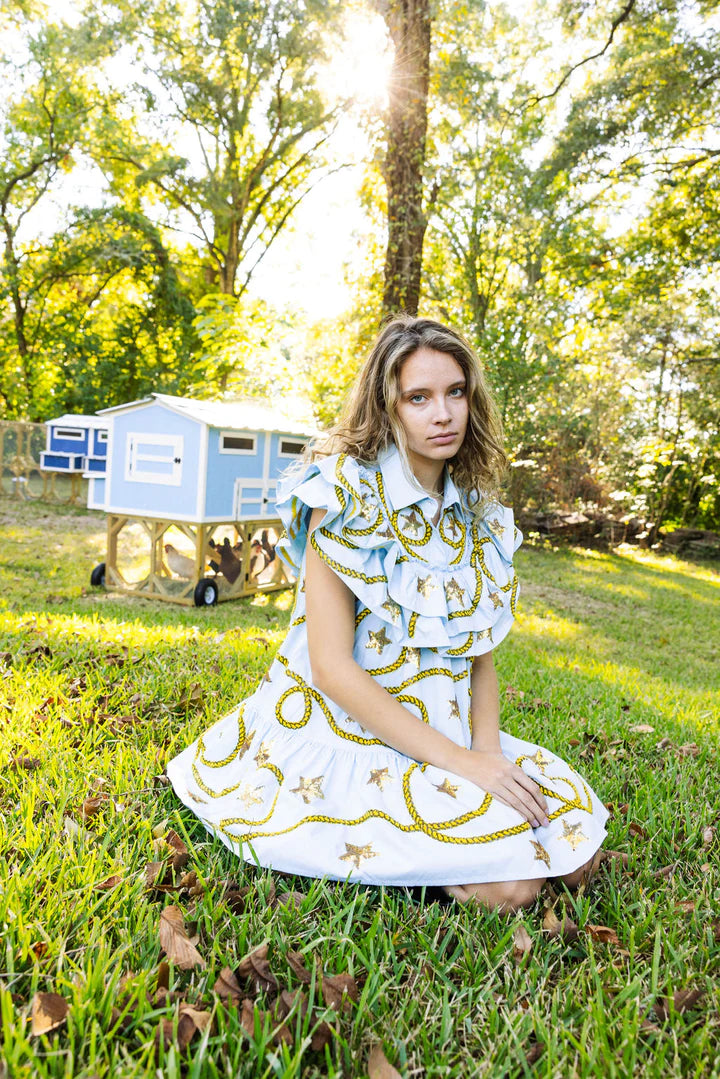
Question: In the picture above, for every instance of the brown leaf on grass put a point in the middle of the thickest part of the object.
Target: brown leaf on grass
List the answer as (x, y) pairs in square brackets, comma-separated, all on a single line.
[(642, 728), (175, 942), (379, 1067), (154, 874), (683, 1000), (164, 1035), (108, 883), (291, 899), (522, 942), (321, 1036), (48, 1011), (708, 836), (602, 933), (689, 749), (39, 948), (664, 743), (235, 896), (227, 986), (260, 640), (191, 1021), (648, 1027), (534, 1051), (566, 929), (247, 1020), (287, 1000), (24, 764), (163, 975), (636, 830), (687, 906), (666, 871), (715, 926), (616, 856), (180, 855), (255, 965), (339, 990), (92, 805), (295, 959)]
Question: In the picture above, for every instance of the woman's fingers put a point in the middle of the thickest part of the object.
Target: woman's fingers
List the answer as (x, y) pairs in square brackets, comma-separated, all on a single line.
[(511, 798), (531, 787)]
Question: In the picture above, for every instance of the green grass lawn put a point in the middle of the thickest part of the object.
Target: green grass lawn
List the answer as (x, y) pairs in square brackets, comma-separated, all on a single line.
[(613, 663)]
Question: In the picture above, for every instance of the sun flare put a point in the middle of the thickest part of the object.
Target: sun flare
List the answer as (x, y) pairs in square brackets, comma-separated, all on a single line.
[(359, 61)]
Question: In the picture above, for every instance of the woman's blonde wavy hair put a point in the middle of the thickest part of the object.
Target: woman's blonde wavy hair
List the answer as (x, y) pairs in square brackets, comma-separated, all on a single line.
[(369, 421)]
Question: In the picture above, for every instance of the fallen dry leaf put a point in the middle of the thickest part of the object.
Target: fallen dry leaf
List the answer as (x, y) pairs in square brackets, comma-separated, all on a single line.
[(48, 1011), (291, 899), (339, 990), (567, 929), (108, 883), (180, 855), (687, 905), (637, 830), (247, 1020), (255, 965), (191, 1021), (708, 836), (91, 806), (287, 1000), (665, 871), (522, 942), (602, 933), (175, 942), (27, 764), (689, 749), (616, 856), (295, 959), (683, 1000), (227, 986), (321, 1036), (534, 1052), (642, 728), (379, 1067), (163, 975), (260, 640)]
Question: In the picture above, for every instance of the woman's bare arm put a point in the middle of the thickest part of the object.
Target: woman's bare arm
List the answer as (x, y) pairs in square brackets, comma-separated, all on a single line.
[(485, 705), (330, 612)]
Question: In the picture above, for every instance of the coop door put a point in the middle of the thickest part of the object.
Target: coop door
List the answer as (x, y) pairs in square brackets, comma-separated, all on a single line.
[(154, 459)]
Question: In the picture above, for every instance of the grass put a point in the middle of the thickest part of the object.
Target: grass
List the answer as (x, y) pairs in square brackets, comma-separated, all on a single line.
[(101, 690)]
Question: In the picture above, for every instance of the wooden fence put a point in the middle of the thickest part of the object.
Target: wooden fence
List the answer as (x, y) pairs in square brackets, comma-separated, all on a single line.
[(20, 477)]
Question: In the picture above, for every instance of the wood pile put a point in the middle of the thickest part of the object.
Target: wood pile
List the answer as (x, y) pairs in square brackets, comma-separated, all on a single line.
[(596, 529)]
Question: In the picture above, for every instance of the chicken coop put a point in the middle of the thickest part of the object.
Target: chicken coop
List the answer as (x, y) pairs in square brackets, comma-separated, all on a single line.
[(189, 492), (76, 446)]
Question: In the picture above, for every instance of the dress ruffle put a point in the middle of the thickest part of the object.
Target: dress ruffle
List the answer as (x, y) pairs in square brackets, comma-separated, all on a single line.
[(463, 608)]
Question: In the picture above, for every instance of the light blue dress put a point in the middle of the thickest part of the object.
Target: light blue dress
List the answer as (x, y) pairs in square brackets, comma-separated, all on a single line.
[(289, 781)]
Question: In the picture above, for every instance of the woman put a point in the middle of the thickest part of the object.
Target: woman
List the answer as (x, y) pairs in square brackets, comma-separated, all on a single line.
[(372, 750)]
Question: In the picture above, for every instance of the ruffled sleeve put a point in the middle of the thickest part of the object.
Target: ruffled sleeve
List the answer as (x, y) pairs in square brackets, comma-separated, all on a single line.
[(461, 600)]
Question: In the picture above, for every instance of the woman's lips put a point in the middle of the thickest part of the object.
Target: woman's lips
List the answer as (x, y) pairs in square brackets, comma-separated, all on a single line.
[(449, 436)]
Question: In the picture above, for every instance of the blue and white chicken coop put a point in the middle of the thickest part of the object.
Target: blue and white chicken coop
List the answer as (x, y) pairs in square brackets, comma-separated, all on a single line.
[(198, 479), (76, 446)]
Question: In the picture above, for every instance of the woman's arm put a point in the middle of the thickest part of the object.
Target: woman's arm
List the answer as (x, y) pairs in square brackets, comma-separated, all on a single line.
[(330, 613), (485, 705)]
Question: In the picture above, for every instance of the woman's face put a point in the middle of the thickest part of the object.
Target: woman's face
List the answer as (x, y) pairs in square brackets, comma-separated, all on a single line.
[(432, 409)]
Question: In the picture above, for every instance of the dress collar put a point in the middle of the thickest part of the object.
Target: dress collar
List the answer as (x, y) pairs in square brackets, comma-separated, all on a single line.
[(402, 492)]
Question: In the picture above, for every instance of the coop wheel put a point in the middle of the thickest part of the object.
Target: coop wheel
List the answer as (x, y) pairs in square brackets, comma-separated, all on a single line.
[(206, 593), (97, 577)]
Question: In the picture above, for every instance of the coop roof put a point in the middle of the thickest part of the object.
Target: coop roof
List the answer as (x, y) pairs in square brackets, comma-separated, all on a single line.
[(230, 415), (71, 419)]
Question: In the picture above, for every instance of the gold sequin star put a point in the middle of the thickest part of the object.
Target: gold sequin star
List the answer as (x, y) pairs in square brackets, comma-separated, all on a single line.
[(263, 754), (454, 709), (367, 509), (454, 527), (378, 639), (245, 746), (393, 609), (356, 854), (249, 795), (412, 655), (485, 633), (572, 833), (495, 527), (309, 789), (454, 590), (541, 762), (380, 776), (425, 585), (446, 787), (387, 533), (496, 599), (413, 521), (541, 854)]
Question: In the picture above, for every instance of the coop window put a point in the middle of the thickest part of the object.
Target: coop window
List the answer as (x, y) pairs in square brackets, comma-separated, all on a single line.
[(102, 436), (291, 447), (232, 443), (154, 458), (75, 433)]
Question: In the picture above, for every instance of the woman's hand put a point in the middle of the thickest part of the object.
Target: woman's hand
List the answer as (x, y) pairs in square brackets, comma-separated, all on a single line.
[(508, 783)]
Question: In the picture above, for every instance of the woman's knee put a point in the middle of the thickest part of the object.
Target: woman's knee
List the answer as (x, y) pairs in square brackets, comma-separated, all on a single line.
[(584, 873), (520, 893)]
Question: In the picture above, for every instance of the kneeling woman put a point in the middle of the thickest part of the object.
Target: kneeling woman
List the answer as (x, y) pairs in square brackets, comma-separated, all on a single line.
[(371, 750)]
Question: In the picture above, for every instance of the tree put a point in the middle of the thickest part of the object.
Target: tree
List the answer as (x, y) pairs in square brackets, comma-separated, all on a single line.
[(409, 24), (233, 124)]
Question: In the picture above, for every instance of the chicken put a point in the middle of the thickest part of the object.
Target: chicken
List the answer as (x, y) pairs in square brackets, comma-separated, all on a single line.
[(179, 564), (225, 560)]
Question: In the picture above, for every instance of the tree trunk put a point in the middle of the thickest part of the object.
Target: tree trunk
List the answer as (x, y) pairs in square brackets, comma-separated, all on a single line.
[(409, 24)]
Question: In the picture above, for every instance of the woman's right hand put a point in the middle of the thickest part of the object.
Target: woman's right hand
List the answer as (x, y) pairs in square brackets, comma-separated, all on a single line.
[(508, 783)]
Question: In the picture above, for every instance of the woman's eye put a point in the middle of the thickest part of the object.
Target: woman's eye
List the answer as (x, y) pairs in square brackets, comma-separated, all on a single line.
[(457, 391), (417, 398)]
